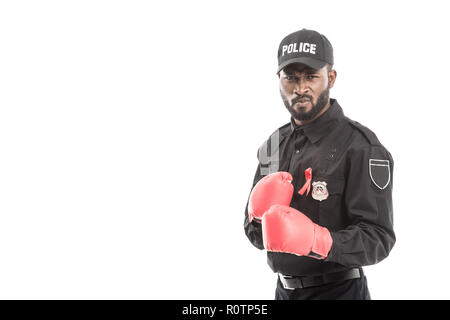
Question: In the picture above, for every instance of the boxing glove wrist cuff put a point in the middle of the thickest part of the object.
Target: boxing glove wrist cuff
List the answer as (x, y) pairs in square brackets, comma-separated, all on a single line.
[(255, 219), (322, 242)]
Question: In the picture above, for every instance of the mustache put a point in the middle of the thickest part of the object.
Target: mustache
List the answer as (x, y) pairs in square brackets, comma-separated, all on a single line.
[(297, 99)]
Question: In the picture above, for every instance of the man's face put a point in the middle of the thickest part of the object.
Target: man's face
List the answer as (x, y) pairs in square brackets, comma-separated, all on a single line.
[(305, 91)]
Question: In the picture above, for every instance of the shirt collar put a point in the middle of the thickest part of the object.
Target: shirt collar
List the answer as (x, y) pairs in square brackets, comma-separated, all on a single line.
[(322, 125)]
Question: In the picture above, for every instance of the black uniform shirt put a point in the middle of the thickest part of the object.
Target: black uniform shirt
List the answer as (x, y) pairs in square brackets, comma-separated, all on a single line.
[(349, 162)]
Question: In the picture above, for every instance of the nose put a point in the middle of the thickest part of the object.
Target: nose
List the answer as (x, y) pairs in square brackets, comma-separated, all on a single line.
[(301, 88)]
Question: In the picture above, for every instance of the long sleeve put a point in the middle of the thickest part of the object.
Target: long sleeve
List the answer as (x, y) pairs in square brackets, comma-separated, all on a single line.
[(369, 237), (253, 229)]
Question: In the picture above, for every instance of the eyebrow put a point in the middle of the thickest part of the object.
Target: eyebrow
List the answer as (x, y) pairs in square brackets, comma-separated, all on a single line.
[(291, 71)]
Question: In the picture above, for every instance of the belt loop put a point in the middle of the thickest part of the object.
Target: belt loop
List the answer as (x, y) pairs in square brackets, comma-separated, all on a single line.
[(284, 282)]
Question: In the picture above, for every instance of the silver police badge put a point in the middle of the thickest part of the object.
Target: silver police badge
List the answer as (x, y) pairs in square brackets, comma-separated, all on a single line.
[(319, 190)]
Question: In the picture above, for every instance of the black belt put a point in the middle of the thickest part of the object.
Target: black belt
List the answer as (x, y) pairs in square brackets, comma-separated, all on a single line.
[(294, 282)]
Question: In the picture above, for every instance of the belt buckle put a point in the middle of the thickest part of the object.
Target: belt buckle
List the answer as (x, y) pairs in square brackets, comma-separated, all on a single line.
[(283, 281)]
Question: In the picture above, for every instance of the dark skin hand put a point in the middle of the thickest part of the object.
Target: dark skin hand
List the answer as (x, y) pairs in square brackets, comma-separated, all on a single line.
[(298, 79)]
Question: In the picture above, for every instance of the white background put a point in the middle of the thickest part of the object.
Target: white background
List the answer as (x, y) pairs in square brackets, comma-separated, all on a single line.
[(129, 130)]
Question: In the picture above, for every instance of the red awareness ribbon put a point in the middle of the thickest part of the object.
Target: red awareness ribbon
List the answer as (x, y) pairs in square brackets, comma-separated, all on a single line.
[(307, 185)]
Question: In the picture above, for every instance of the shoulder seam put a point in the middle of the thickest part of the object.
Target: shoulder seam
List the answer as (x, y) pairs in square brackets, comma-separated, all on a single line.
[(368, 134)]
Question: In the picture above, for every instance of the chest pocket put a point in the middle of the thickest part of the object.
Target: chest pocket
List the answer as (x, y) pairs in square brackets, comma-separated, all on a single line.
[(331, 213)]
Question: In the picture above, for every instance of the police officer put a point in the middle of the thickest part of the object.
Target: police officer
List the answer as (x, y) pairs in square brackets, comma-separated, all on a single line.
[(321, 201)]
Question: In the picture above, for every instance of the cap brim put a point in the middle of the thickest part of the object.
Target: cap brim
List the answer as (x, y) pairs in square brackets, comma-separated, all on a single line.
[(310, 62)]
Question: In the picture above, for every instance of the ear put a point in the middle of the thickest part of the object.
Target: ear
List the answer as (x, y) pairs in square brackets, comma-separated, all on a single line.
[(332, 77)]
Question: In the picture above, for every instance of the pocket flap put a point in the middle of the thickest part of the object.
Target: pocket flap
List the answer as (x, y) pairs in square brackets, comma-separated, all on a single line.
[(333, 185)]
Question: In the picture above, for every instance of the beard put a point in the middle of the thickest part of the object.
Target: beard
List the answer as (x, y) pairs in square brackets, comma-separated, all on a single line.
[(302, 114)]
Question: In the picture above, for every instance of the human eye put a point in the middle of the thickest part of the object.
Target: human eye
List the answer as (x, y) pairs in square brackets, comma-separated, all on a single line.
[(289, 77), (311, 76)]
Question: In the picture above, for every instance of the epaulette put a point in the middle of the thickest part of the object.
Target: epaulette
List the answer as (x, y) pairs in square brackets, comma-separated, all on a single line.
[(366, 132)]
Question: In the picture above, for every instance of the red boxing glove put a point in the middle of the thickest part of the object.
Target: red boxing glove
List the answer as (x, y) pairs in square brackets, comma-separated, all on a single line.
[(275, 188), (288, 230)]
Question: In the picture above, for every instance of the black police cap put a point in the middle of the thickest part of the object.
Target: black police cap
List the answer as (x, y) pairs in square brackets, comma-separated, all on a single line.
[(305, 46)]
